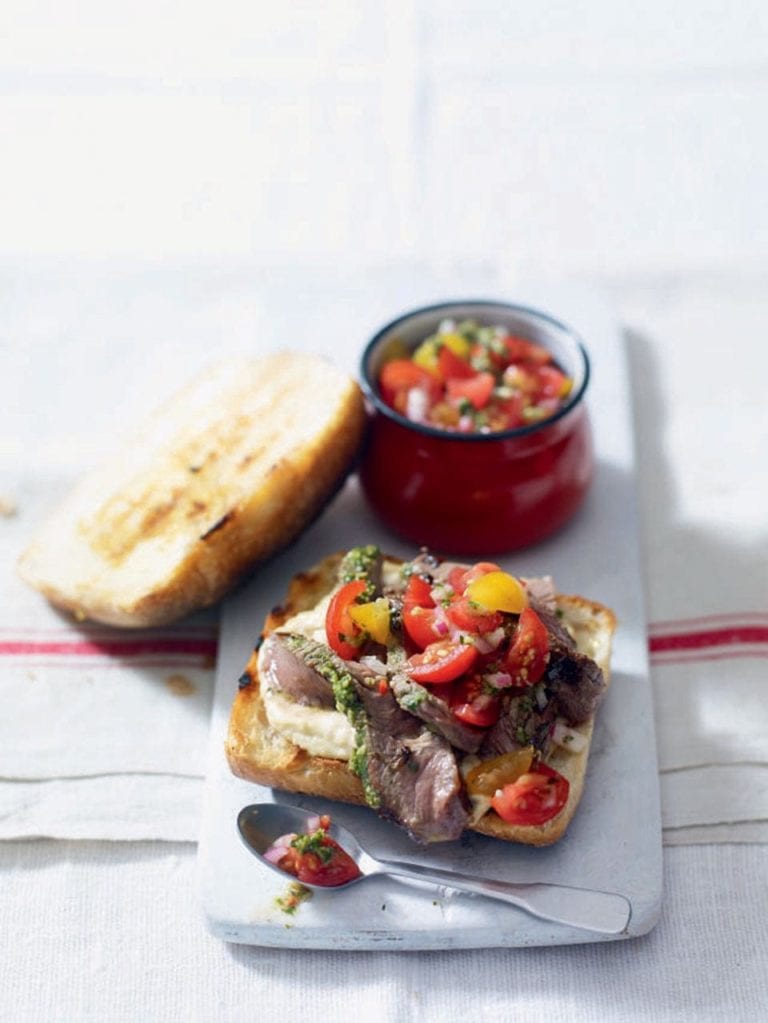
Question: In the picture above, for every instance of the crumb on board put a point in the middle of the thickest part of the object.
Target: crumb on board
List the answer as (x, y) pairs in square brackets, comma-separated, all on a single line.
[(180, 685), (8, 507)]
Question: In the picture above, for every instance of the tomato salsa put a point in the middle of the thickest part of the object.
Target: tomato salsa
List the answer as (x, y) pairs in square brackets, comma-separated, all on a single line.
[(471, 378), (313, 857), (472, 640)]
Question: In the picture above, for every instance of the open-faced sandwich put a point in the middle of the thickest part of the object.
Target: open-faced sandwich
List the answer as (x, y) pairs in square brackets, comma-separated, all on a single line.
[(446, 696)]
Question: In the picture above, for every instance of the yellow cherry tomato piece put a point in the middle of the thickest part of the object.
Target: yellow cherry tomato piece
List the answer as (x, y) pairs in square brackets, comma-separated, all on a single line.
[(426, 355), (489, 775), (372, 618), (498, 591), (458, 344)]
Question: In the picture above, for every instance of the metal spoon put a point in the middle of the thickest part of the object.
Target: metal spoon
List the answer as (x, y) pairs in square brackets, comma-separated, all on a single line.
[(604, 912)]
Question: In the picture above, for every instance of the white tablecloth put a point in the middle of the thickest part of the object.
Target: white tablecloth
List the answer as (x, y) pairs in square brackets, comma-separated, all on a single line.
[(169, 179)]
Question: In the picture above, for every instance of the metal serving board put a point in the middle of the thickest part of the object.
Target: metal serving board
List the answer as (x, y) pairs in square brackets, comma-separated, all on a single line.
[(613, 843)]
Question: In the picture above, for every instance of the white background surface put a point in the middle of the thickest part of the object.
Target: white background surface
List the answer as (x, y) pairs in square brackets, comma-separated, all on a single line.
[(157, 159)]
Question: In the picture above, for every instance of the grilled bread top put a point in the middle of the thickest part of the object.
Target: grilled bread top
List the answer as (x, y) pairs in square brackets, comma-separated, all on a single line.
[(225, 473)]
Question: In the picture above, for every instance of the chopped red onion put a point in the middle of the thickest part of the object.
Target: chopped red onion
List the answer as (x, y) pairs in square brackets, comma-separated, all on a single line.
[(277, 850), (485, 644), (499, 679)]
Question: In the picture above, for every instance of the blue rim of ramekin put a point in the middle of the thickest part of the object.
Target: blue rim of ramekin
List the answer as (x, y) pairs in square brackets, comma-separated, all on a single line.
[(431, 431)]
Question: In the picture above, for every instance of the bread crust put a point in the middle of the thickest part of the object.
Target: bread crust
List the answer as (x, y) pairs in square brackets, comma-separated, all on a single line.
[(257, 753), (227, 473)]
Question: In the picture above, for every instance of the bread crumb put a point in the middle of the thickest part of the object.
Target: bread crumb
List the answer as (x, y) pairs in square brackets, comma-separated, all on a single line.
[(180, 685), (7, 508)]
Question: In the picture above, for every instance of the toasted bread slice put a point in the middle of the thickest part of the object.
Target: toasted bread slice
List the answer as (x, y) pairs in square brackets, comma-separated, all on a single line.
[(259, 753), (227, 472)]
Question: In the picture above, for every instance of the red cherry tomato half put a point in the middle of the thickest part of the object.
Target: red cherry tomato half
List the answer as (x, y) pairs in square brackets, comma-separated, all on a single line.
[(441, 662), (535, 798), (399, 376), (340, 631), (460, 577), (472, 705), (339, 869), (421, 625), (477, 390), (467, 616), (528, 653), (452, 367), (419, 612), (552, 383), (522, 350), (418, 592)]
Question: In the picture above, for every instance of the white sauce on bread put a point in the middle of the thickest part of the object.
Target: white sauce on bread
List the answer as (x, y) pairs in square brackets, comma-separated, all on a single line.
[(321, 732)]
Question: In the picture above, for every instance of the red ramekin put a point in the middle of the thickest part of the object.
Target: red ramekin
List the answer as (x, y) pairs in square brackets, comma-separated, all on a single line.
[(475, 493)]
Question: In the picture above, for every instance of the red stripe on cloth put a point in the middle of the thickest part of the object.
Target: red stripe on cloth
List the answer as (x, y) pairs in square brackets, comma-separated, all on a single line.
[(736, 635), (110, 647)]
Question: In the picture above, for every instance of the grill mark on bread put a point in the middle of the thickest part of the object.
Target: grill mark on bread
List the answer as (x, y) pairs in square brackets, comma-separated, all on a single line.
[(197, 478), (218, 525)]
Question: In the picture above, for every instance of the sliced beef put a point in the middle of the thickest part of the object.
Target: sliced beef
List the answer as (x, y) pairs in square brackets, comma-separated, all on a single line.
[(435, 713), (522, 723), (558, 634), (287, 664), (575, 683), (413, 771)]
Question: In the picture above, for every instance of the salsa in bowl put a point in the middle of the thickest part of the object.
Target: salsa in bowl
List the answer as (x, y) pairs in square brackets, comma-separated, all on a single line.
[(479, 439), (473, 378)]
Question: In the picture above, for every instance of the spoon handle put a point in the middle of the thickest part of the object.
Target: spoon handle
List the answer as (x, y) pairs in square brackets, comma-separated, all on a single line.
[(604, 912)]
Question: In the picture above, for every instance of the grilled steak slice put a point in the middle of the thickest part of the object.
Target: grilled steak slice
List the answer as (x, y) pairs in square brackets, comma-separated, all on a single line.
[(576, 684), (521, 724), (288, 663), (435, 713), (412, 770), (419, 780), (557, 632)]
